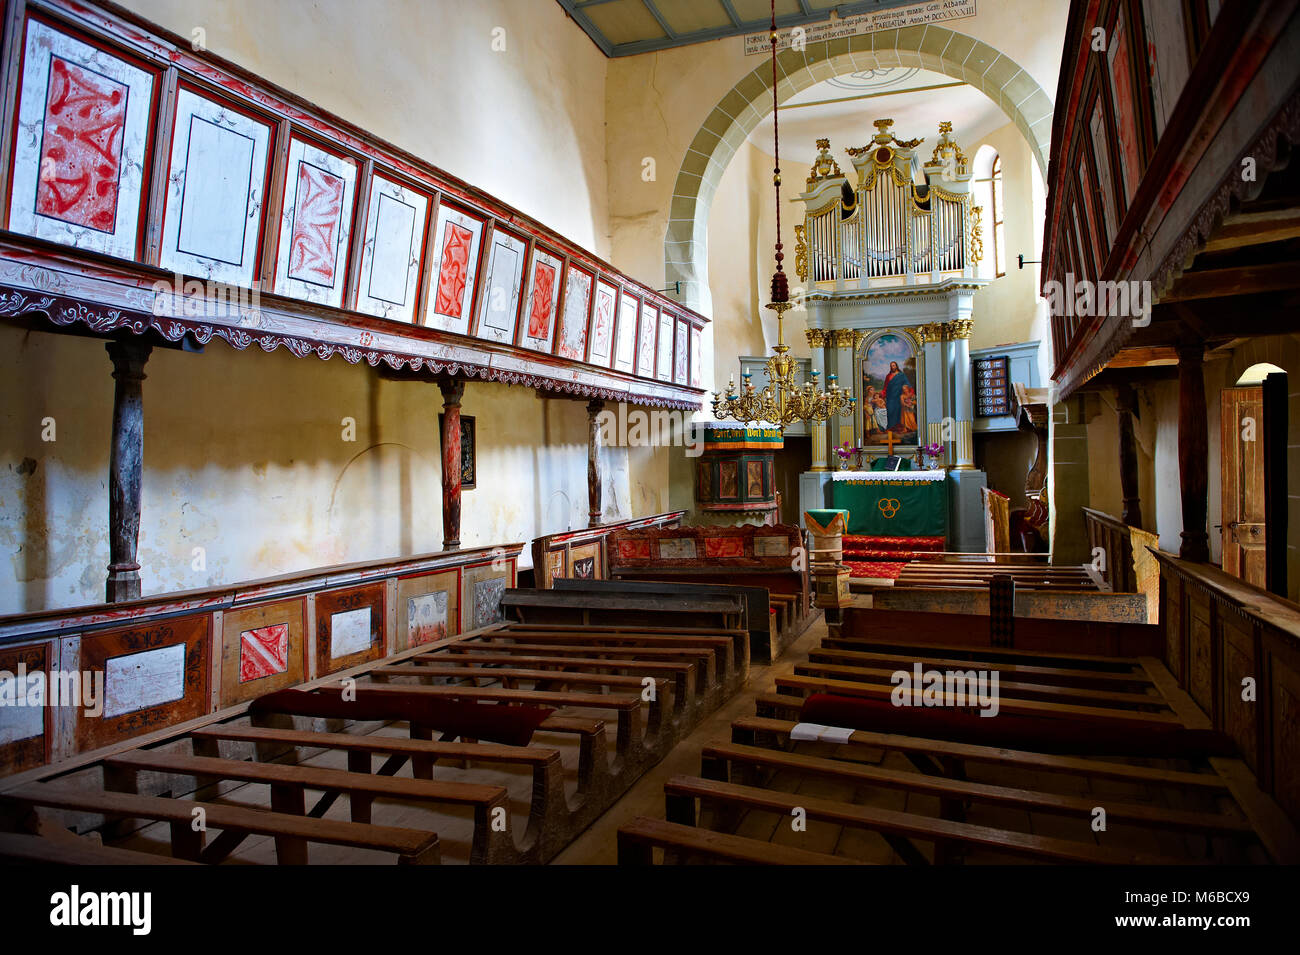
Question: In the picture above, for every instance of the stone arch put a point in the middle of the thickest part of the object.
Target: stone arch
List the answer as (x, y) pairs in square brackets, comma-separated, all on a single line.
[(740, 110)]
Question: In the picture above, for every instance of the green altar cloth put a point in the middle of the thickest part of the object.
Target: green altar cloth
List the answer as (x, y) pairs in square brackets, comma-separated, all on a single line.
[(893, 504)]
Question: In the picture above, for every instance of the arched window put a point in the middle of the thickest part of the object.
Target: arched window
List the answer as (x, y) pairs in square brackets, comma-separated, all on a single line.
[(989, 197), (999, 239)]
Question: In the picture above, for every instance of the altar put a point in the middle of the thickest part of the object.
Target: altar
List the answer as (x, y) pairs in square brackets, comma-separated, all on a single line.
[(893, 503)]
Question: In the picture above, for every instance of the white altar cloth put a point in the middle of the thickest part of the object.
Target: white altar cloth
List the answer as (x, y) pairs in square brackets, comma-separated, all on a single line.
[(888, 475)]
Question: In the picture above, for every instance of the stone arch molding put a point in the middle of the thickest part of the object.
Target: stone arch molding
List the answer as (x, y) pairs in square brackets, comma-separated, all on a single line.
[(740, 110)]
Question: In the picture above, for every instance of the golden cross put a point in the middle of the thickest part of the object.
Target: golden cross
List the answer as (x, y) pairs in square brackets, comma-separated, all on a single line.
[(890, 441)]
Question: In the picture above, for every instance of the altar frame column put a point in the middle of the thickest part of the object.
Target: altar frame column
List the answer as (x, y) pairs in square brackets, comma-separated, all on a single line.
[(452, 392), (958, 332), (819, 435), (930, 336), (845, 341)]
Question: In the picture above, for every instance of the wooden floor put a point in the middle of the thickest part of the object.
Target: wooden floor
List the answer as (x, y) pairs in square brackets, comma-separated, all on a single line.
[(599, 844)]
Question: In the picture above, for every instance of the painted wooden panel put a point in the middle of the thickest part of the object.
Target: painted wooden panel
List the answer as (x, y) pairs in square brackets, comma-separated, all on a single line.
[(697, 373), (25, 730), (625, 352), (645, 352), (1101, 159), (155, 675), (680, 357), (428, 608), (1200, 657), (456, 244), (216, 185), (503, 286), (1285, 755), (263, 649), (537, 324), (81, 147), (577, 304), (1126, 106), (481, 593), (1166, 56), (664, 361), (316, 224), (349, 627), (1239, 716), (601, 345), (392, 251)]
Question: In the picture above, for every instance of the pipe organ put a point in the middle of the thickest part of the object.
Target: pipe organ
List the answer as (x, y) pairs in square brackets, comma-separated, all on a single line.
[(902, 227)]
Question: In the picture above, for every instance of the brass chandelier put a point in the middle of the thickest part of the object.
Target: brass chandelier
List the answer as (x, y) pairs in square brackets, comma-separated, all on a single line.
[(782, 402)]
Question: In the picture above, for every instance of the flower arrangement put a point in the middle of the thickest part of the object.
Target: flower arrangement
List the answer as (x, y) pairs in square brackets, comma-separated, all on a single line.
[(931, 453), (846, 451)]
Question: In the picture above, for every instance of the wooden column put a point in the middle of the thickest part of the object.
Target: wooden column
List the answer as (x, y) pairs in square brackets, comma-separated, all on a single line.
[(1193, 452), (1125, 403), (452, 391), (594, 487), (125, 465)]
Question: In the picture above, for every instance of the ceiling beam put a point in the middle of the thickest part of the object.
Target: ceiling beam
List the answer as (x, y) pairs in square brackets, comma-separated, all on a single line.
[(1255, 228), (1238, 280)]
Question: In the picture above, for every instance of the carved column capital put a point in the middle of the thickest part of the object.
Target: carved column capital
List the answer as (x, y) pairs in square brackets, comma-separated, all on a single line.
[(844, 338), (817, 337), (958, 328), (929, 332)]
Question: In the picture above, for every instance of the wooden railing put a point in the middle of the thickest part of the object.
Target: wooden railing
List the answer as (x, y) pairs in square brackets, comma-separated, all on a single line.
[(162, 661), (1116, 543), (1235, 649)]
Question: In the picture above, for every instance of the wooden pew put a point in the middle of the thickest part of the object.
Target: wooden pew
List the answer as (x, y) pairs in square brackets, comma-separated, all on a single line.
[(906, 628), (1029, 673), (638, 839), (677, 610), (548, 799), (288, 784), (20, 849), (682, 792), (293, 830), (758, 620)]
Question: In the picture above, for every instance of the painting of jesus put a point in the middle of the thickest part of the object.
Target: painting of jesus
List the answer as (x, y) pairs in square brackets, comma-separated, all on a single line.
[(889, 401)]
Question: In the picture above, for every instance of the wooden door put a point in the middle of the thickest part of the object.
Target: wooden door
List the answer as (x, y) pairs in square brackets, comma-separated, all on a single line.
[(1242, 462)]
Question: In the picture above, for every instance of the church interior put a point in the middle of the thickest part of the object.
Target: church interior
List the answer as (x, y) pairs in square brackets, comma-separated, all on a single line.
[(797, 432)]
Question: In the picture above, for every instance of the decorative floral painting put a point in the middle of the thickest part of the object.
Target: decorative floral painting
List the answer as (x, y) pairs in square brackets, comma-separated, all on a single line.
[(889, 390)]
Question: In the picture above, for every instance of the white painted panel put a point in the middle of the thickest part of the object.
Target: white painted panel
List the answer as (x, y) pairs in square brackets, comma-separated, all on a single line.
[(501, 301), (626, 350), (137, 681), (390, 258), (350, 632), (214, 204), (19, 722)]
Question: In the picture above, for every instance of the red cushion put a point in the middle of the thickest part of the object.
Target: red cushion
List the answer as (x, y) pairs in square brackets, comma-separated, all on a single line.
[(1013, 730), (469, 719)]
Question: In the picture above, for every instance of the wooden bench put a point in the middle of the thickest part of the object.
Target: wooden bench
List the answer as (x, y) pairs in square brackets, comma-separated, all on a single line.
[(288, 785), (717, 760), (292, 830), (750, 730), (1097, 639), (758, 622), (557, 606), (1006, 688), (20, 849), (730, 647), (703, 658), (1028, 673), (638, 839), (547, 789), (898, 828)]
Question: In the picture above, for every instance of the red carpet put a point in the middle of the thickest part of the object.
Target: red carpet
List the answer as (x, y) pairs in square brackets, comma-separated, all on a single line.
[(889, 570), (859, 548)]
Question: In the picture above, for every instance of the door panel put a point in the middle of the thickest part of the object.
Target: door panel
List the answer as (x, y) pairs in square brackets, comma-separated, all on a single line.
[(1242, 462)]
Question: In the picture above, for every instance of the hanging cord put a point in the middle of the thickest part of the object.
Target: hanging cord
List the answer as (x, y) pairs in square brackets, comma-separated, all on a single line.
[(780, 285)]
